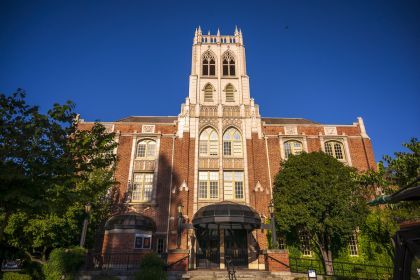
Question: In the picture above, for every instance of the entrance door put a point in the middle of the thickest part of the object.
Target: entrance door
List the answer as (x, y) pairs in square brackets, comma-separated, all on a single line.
[(208, 248), (236, 246)]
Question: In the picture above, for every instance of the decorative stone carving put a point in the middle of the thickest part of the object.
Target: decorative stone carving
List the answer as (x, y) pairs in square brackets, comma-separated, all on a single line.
[(183, 186), (258, 187), (206, 122), (148, 128), (231, 121), (330, 130), (290, 130)]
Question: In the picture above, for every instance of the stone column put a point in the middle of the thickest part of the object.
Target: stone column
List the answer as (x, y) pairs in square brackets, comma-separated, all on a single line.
[(222, 248)]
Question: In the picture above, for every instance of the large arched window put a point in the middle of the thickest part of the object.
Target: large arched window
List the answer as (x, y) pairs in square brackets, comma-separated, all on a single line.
[(228, 64), (209, 64), (335, 149), (232, 143), (146, 149), (208, 145), (230, 93), (208, 93), (292, 147)]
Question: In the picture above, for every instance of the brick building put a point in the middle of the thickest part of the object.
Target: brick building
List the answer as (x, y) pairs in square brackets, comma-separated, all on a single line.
[(198, 185)]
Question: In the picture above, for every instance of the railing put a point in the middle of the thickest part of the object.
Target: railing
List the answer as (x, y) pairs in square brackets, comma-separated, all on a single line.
[(113, 261), (344, 269)]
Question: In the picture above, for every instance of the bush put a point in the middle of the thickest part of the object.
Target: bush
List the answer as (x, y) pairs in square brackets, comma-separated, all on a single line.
[(34, 269), (151, 268), (64, 262), (16, 276)]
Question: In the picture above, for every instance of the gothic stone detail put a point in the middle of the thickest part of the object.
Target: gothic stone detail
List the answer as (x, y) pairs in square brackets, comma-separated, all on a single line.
[(178, 171)]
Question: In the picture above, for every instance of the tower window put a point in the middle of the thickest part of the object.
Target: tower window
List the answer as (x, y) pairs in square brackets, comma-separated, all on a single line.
[(234, 183), (232, 143), (209, 143), (208, 185), (230, 93), (334, 149), (228, 64), (208, 93), (292, 148), (209, 64)]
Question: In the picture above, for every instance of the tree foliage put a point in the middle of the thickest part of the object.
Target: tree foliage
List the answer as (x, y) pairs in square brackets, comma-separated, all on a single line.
[(49, 170), (319, 195)]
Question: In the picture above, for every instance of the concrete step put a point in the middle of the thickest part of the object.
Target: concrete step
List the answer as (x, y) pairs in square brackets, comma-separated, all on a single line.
[(240, 275)]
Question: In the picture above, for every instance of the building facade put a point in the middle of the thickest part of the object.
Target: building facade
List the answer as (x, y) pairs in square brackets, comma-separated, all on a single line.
[(198, 185)]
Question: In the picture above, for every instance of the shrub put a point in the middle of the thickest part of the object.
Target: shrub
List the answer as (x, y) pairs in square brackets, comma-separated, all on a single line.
[(151, 268), (16, 276), (64, 262)]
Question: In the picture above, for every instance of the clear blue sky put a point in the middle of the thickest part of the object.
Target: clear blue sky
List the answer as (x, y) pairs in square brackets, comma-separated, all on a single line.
[(328, 61)]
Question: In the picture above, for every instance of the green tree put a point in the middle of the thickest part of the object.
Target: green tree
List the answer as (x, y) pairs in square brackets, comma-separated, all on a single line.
[(49, 170), (317, 194)]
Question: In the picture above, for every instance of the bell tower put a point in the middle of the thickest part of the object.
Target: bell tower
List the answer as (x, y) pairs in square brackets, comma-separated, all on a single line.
[(218, 83)]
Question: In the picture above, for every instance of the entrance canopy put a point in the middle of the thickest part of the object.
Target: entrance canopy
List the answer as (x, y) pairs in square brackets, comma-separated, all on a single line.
[(226, 215)]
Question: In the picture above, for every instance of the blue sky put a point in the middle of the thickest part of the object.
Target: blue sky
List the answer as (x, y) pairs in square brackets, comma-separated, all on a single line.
[(328, 61)]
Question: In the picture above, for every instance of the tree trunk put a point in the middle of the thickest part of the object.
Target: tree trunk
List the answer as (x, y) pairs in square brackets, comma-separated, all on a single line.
[(327, 259)]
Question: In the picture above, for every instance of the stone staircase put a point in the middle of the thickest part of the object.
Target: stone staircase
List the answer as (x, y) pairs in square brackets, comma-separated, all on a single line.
[(240, 275)]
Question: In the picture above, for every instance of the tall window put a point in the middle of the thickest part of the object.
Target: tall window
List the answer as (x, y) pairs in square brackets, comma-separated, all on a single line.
[(209, 64), (305, 243), (208, 93), (146, 149), (292, 148), (232, 143), (230, 93), (209, 144), (208, 185), (353, 245), (234, 183), (228, 64), (335, 149), (142, 187)]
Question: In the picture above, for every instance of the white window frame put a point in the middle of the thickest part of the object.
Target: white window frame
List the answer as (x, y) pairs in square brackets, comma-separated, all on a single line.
[(234, 182), (284, 139), (293, 149), (208, 183), (232, 143), (211, 145), (142, 236), (147, 153), (353, 245), (141, 185), (334, 153)]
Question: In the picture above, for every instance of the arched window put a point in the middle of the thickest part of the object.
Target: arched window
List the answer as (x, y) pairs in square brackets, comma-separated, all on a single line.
[(208, 145), (334, 149), (209, 64), (232, 143), (146, 149), (230, 93), (208, 93), (228, 64), (292, 148)]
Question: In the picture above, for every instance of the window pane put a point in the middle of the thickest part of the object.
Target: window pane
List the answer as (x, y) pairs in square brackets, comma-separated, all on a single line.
[(146, 243), (328, 149), (239, 176), (203, 147), (214, 189), (287, 150), (203, 176), (232, 70), (237, 148), (151, 149), (227, 148), (136, 192), (205, 70), (212, 70), (141, 150), (227, 176), (225, 70), (202, 189), (338, 151), (239, 191), (139, 242)]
